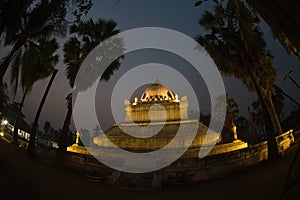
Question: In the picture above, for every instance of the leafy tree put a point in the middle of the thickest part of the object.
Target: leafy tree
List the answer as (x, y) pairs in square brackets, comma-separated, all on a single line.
[(238, 48), (282, 18)]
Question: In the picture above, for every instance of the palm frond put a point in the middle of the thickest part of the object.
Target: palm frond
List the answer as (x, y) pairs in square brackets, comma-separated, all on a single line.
[(89, 35)]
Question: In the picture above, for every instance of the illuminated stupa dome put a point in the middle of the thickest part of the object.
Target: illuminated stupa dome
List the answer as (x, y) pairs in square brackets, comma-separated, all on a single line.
[(158, 92), (158, 110)]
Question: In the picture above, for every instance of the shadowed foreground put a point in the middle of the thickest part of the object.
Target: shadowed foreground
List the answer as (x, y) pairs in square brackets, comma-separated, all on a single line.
[(22, 178)]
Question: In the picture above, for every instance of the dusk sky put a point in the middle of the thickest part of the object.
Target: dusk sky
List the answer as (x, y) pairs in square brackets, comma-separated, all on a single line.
[(173, 14)]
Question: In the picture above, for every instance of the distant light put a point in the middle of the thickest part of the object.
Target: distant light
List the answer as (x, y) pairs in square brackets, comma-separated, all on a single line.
[(1, 134), (5, 122)]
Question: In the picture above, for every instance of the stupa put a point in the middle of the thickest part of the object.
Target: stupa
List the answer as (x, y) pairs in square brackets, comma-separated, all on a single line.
[(164, 113), (158, 108)]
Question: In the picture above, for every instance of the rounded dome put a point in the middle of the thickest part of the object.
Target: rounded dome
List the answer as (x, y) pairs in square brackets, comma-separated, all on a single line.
[(158, 92)]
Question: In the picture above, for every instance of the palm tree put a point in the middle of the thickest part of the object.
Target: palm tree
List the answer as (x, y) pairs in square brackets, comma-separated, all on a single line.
[(266, 78), (33, 63), (75, 51), (31, 21), (41, 69), (283, 19), (238, 48), (26, 21), (31, 146)]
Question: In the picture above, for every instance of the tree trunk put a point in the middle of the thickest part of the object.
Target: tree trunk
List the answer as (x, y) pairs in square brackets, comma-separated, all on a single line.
[(16, 124), (31, 146), (64, 135), (275, 115), (272, 143)]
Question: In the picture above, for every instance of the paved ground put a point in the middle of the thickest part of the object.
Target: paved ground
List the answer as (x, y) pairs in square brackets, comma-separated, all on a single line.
[(22, 178)]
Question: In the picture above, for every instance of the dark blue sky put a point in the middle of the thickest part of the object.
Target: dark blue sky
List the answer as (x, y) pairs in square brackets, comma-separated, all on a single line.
[(178, 15)]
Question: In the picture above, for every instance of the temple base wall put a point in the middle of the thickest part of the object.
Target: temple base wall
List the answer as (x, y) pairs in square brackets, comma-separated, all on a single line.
[(223, 160)]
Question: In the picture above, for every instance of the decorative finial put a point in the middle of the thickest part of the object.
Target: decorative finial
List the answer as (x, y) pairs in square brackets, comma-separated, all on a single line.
[(136, 100)]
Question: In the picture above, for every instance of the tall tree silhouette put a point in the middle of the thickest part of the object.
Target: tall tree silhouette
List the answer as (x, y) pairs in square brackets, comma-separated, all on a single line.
[(87, 36), (29, 25), (25, 21), (237, 46), (283, 19), (34, 62)]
